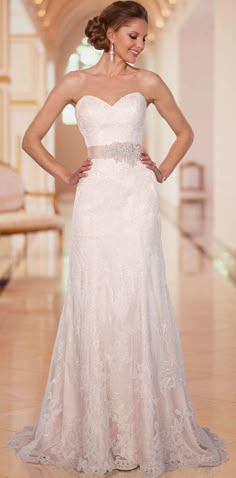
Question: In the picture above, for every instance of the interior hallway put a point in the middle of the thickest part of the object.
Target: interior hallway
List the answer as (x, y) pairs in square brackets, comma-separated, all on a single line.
[(204, 302), (193, 50)]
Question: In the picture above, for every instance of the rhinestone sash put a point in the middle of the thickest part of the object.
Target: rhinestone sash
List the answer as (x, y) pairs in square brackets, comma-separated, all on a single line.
[(120, 151)]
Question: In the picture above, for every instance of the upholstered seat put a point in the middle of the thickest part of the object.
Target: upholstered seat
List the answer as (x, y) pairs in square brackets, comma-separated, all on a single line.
[(23, 222), (193, 195)]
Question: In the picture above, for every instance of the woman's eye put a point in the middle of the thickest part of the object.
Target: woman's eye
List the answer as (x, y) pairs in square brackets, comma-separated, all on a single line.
[(134, 38)]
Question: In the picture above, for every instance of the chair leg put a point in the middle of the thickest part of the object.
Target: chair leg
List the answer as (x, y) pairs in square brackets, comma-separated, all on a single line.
[(180, 212), (26, 241)]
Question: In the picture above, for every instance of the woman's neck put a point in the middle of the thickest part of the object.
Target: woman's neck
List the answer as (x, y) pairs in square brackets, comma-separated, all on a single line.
[(109, 69)]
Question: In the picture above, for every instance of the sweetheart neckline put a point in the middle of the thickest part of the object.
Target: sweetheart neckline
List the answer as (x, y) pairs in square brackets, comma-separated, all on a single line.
[(113, 104)]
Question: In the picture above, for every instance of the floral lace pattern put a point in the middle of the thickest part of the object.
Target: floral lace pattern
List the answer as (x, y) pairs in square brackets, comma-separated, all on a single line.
[(116, 395)]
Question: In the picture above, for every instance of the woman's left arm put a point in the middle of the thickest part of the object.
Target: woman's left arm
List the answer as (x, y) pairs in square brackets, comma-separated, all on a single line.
[(163, 100)]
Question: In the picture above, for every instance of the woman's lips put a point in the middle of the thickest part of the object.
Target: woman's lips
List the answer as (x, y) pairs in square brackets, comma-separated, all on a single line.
[(134, 52)]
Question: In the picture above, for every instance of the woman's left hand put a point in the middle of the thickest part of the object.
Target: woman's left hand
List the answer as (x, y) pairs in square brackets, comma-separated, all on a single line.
[(145, 158)]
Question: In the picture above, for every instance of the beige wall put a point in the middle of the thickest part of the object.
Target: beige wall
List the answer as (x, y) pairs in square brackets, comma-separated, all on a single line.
[(196, 57), (27, 94), (196, 86), (224, 123), (5, 80), (184, 60), (28, 90), (167, 66)]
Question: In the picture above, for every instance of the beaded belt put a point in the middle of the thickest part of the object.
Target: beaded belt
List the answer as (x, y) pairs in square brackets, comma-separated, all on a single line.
[(119, 151)]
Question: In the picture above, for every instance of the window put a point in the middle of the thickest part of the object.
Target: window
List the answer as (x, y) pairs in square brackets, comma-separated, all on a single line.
[(84, 56)]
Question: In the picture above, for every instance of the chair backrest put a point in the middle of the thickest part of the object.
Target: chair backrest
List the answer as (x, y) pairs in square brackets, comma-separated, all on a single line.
[(11, 188), (191, 176)]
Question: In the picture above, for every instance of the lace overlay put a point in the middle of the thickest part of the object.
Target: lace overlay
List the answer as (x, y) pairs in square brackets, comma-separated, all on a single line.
[(116, 395)]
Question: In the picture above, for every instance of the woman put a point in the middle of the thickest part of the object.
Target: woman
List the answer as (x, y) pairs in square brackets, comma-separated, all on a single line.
[(116, 396)]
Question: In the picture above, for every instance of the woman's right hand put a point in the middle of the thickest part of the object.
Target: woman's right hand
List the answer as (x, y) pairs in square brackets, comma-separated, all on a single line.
[(73, 178)]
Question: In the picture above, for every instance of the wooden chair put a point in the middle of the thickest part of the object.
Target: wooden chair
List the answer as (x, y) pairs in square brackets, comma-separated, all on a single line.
[(192, 185), (14, 216)]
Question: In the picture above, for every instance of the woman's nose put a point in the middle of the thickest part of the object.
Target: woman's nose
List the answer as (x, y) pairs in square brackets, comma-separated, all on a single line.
[(140, 44)]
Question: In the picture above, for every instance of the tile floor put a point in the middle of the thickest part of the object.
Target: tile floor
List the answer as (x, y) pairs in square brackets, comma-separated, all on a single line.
[(205, 305)]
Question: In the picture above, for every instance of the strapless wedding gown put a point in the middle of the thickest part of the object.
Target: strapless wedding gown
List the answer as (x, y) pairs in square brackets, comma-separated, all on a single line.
[(117, 395)]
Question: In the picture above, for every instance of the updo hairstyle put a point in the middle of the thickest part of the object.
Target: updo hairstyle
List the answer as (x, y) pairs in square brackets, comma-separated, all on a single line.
[(114, 15)]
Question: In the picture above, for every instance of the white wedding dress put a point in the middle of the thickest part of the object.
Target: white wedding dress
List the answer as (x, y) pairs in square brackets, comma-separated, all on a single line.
[(117, 395)]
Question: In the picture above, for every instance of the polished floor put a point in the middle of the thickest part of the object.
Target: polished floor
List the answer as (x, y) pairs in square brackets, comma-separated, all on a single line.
[(204, 301)]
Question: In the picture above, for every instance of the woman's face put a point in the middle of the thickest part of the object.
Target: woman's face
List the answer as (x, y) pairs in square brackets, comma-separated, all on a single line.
[(129, 40)]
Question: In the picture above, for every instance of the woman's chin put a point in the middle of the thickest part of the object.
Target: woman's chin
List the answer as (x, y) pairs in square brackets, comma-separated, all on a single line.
[(131, 59)]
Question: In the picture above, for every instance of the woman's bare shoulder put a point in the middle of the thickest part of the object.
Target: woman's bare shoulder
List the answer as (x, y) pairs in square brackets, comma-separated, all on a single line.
[(154, 84), (72, 78), (150, 78), (72, 83)]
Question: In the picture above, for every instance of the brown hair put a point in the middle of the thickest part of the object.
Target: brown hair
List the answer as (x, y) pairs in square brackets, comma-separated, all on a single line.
[(115, 15)]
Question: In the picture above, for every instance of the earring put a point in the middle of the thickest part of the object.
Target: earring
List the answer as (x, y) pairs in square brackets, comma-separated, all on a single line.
[(112, 52)]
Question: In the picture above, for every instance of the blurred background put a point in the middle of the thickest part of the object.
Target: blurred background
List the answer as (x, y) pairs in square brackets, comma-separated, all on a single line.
[(191, 45)]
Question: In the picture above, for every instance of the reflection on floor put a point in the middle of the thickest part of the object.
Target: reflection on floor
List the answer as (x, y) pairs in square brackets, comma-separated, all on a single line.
[(204, 302), (200, 231)]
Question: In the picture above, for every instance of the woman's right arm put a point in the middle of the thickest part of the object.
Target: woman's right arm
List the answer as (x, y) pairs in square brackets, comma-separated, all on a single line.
[(61, 95)]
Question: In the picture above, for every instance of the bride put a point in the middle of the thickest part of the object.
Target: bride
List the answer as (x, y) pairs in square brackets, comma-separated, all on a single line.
[(116, 395)]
